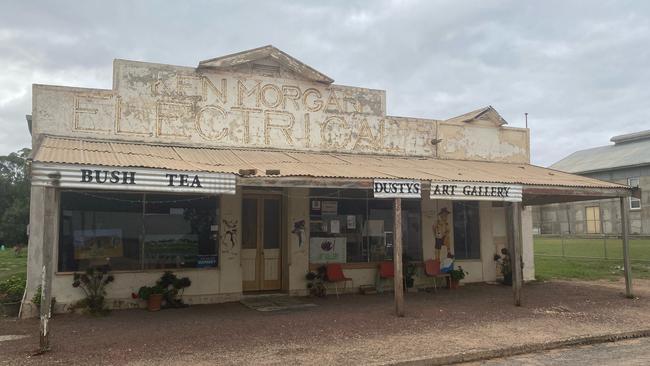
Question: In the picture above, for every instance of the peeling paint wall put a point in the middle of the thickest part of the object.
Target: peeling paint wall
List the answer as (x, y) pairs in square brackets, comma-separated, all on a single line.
[(471, 142), (241, 107), (258, 105)]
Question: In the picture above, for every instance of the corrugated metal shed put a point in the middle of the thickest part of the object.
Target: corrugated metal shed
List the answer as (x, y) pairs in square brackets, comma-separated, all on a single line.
[(629, 150), (301, 164)]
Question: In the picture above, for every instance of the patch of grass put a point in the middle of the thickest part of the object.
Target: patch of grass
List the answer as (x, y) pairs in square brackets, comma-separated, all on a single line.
[(12, 265), (592, 247), (589, 261)]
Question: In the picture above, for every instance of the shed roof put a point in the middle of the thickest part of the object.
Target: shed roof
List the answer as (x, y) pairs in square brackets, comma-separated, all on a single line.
[(628, 151), (301, 164)]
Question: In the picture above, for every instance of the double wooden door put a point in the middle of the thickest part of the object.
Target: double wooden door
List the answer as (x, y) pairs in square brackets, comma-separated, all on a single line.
[(261, 254)]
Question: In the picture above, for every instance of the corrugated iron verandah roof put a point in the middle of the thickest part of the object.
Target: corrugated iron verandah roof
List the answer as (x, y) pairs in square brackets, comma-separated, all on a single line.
[(303, 164)]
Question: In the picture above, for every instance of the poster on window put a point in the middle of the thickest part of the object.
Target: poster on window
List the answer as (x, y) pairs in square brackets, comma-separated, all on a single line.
[(100, 243), (330, 208), (327, 250)]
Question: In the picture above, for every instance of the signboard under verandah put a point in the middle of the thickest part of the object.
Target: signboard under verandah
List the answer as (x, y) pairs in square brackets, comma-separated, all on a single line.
[(468, 191)]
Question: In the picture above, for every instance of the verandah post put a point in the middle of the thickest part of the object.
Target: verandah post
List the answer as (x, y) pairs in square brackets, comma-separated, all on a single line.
[(397, 258), (626, 248), (46, 285), (514, 236)]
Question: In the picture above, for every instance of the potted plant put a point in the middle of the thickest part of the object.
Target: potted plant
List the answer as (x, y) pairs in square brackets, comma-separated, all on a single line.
[(316, 282), (153, 295), (11, 294), (173, 288), (165, 293), (455, 275)]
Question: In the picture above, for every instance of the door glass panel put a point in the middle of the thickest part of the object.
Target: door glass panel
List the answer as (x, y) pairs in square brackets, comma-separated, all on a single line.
[(249, 223), (271, 224)]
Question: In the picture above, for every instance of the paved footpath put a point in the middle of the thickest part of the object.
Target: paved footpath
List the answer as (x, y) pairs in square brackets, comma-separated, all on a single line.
[(630, 352)]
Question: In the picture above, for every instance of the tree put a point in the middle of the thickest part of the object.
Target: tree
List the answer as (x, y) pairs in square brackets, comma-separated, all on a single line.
[(14, 197)]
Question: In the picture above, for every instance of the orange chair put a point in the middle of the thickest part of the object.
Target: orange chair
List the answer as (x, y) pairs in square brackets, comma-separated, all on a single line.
[(335, 274), (386, 271), (432, 269)]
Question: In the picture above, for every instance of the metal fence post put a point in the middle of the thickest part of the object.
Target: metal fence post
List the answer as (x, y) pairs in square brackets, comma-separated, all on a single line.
[(562, 236), (605, 244)]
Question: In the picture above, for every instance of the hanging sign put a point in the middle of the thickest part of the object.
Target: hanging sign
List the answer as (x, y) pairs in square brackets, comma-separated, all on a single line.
[(131, 179), (475, 191), (393, 188)]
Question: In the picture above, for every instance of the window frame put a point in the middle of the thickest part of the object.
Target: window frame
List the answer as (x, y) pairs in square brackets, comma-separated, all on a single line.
[(56, 251), (631, 199), (330, 194), (478, 224)]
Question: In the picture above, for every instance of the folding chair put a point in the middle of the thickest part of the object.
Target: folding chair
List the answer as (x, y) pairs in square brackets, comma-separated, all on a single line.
[(432, 269), (335, 274), (386, 271)]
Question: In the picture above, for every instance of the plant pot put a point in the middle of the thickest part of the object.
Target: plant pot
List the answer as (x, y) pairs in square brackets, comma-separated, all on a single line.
[(452, 284), (154, 302), (10, 309)]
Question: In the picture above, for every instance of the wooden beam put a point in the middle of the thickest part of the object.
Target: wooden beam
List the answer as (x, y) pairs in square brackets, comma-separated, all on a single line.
[(626, 247), (514, 237), (304, 182), (397, 258), (46, 277), (578, 191)]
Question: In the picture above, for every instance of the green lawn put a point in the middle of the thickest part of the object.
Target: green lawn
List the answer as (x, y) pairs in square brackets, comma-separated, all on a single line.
[(589, 262), (10, 264)]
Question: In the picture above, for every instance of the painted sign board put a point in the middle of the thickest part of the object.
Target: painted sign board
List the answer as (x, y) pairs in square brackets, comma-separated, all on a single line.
[(131, 179), (327, 250), (475, 191), (397, 188), (162, 104)]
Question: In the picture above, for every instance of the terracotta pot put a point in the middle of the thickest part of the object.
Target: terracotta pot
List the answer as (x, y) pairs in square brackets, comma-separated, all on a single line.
[(154, 302)]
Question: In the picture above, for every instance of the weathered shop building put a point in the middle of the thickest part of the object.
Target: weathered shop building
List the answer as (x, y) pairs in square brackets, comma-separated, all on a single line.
[(248, 170), (626, 161)]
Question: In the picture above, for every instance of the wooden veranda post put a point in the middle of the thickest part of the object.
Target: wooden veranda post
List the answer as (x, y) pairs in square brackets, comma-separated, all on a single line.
[(46, 276), (397, 259), (626, 248), (514, 235)]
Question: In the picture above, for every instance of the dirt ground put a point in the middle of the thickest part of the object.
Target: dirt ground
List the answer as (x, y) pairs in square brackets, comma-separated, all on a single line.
[(355, 329)]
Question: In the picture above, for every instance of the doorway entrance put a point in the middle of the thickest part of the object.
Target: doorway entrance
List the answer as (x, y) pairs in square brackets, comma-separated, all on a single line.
[(261, 253)]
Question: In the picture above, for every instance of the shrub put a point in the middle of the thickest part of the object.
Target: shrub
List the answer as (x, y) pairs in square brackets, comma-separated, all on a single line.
[(170, 286), (93, 283), (12, 289)]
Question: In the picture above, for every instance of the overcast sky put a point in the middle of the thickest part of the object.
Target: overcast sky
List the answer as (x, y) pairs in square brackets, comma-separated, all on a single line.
[(581, 69)]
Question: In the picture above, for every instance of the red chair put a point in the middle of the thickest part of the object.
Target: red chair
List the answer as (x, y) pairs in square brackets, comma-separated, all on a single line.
[(335, 274), (386, 271), (432, 269)]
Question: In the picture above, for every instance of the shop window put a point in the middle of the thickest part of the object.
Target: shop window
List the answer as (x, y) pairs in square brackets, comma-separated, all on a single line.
[(467, 242), (134, 231), (635, 203), (593, 219), (178, 231), (352, 227)]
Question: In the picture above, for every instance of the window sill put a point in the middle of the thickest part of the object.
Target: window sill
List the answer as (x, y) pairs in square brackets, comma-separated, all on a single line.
[(364, 265), (159, 270)]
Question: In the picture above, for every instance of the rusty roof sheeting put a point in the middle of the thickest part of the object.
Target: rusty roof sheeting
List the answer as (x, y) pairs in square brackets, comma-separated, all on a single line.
[(302, 164)]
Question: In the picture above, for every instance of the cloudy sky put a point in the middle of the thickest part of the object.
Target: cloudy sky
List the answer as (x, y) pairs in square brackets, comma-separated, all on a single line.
[(581, 69)]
